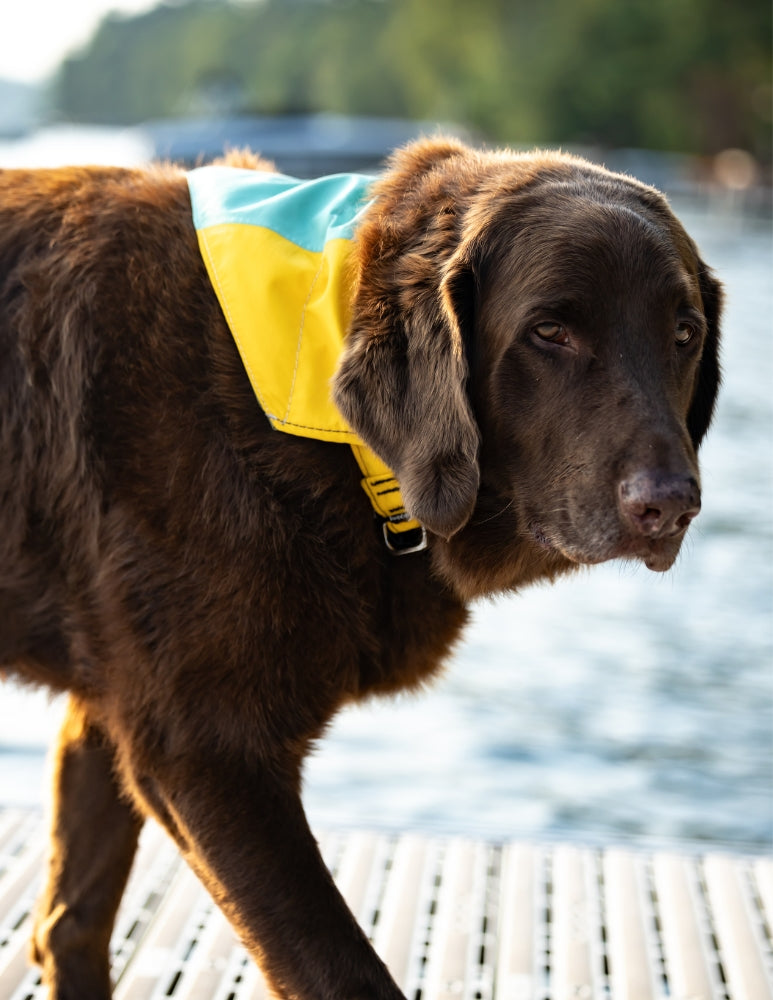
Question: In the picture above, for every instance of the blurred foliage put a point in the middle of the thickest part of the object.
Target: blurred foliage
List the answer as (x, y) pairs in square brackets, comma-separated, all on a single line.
[(683, 75)]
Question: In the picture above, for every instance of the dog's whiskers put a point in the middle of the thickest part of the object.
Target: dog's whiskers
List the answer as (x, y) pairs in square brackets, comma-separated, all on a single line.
[(496, 514)]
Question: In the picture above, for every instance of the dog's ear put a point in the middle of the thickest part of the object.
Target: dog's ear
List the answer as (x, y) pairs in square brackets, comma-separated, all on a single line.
[(402, 383), (705, 395)]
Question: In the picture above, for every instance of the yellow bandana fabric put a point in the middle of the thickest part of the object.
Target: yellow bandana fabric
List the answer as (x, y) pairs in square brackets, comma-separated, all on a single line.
[(277, 252)]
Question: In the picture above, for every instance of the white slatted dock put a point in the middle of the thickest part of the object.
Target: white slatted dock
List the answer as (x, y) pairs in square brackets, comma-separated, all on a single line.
[(453, 919)]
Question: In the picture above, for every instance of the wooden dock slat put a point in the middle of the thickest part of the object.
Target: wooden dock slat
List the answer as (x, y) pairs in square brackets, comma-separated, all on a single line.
[(573, 924), (628, 937), (11, 820), (15, 970), (26, 868), (738, 941), (454, 971), (684, 940), (206, 971), (154, 867), (447, 966), (155, 965), (395, 930), (19, 888), (217, 966), (517, 973), (354, 872)]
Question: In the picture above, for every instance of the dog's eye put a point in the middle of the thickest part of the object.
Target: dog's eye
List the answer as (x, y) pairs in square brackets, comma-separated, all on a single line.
[(554, 333), (684, 333)]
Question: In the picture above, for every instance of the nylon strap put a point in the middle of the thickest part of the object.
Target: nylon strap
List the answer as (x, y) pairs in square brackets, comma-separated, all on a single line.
[(383, 490)]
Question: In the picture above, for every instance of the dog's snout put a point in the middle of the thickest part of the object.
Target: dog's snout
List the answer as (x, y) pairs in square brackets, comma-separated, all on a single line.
[(656, 505)]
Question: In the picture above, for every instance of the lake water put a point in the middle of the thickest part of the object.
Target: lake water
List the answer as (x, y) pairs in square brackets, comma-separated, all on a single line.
[(619, 704)]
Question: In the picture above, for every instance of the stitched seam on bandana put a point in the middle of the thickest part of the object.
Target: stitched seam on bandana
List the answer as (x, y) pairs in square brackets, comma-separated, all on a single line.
[(310, 427), (300, 338)]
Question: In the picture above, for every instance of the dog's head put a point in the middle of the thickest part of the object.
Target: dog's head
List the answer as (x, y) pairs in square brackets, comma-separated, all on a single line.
[(534, 351)]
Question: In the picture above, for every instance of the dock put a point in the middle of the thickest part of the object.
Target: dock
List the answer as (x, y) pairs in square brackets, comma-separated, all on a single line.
[(454, 919)]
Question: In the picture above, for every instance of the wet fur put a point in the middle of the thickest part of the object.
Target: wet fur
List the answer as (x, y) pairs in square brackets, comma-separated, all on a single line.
[(211, 592)]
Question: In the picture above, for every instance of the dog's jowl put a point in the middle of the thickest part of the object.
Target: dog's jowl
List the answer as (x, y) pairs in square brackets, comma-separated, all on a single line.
[(262, 441)]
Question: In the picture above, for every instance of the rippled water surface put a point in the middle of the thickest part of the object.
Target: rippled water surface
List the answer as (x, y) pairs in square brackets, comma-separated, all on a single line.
[(617, 703)]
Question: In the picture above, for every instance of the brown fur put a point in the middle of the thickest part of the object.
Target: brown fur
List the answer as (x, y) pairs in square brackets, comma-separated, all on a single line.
[(211, 591)]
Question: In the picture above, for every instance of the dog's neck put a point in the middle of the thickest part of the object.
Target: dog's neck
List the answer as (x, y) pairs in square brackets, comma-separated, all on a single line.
[(299, 233)]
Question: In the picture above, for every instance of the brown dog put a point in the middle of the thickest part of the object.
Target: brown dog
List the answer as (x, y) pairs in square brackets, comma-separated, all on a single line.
[(533, 351)]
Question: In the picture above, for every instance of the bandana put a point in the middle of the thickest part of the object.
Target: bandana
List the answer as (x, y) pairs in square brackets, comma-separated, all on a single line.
[(278, 254)]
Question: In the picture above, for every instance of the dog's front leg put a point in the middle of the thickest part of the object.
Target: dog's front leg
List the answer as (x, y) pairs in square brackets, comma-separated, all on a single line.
[(243, 830), (94, 835)]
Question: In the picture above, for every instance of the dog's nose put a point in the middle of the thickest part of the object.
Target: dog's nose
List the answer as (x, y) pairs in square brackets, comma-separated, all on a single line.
[(656, 505)]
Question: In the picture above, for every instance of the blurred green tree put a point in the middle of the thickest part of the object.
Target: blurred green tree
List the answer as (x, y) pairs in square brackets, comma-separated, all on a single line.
[(684, 75)]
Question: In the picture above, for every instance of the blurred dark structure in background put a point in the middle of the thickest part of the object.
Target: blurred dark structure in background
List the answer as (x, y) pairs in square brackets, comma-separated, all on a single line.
[(299, 145), (687, 76)]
